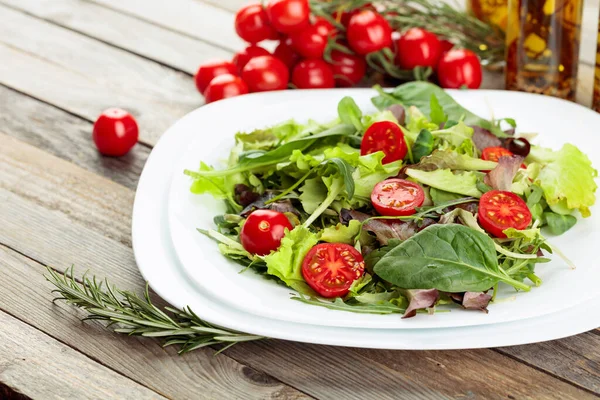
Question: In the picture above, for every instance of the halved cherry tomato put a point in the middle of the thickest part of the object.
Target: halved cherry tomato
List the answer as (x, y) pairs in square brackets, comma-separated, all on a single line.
[(207, 71), (263, 230), (368, 32), (458, 68), (286, 53), (223, 87), (252, 24), (418, 48), (313, 74), (330, 268), (384, 136), (348, 69), (494, 154), (265, 73), (115, 132), (241, 58), (288, 16), (397, 197), (309, 42), (500, 210)]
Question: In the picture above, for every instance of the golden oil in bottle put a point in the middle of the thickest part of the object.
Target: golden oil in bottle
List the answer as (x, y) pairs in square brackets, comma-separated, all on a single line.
[(490, 11), (596, 98), (542, 46)]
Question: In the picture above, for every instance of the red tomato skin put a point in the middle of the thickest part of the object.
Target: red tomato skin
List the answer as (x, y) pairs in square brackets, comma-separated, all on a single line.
[(207, 71), (494, 228), (409, 192), (494, 154), (241, 58), (252, 24), (324, 27), (459, 67), (263, 230), (313, 74), (265, 73), (418, 48), (384, 136), (446, 45), (348, 69), (223, 87), (115, 132), (342, 252), (344, 18), (288, 16), (368, 32), (286, 53), (309, 43)]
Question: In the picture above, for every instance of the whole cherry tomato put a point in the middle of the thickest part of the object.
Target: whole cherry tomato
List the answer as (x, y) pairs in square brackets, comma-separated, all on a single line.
[(348, 69), (313, 74), (344, 18), (115, 132), (241, 58), (224, 86), (207, 71), (368, 32), (286, 53), (418, 48), (458, 68), (384, 136), (263, 230), (324, 27), (288, 16), (397, 197), (309, 42), (500, 210), (446, 45), (252, 24), (265, 73)]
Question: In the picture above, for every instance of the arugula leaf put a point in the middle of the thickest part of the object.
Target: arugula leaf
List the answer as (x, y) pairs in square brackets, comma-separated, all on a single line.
[(361, 308), (464, 183), (350, 113), (423, 145), (436, 114), (451, 258), (558, 224)]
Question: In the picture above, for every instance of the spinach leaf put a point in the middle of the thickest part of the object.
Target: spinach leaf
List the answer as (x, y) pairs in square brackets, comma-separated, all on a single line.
[(423, 145), (419, 94), (436, 115), (349, 113), (559, 224), (450, 258)]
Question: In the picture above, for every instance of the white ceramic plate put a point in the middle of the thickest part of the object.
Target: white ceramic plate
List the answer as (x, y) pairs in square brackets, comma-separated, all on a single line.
[(210, 131), (159, 265)]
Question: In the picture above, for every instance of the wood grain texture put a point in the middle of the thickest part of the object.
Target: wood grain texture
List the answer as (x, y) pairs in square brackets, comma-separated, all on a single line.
[(66, 136), (35, 365), (85, 76), (84, 219), (151, 41)]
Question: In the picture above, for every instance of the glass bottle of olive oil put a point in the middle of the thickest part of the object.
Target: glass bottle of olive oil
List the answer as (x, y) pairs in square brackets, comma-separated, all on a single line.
[(490, 11), (542, 46)]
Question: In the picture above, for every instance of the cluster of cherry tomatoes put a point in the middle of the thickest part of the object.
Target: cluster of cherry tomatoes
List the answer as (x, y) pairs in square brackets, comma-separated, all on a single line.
[(319, 52)]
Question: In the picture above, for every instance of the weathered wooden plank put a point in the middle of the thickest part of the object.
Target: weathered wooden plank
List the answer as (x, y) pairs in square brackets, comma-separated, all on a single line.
[(149, 40), (386, 374), (36, 365), (85, 76), (60, 214), (66, 136)]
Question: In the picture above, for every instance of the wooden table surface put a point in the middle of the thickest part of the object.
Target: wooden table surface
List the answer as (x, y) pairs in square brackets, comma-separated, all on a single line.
[(61, 63)]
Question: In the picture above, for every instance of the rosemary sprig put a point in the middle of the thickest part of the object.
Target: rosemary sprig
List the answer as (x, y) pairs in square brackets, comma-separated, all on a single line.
[(129, 314)]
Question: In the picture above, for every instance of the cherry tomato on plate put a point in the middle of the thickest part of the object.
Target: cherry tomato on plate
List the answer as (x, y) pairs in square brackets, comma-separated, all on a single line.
[(418, 48), (206, 72), (458, 68), (397, 197), (265, 73), (384, 136), (115, 132), (263, 230), (286, 53), (500, 210), (494, 154), (252, 24), (313, 74), (330, 268), (288, 16), (241, 58), (348, 69), (368, 32), (309, 42), (223, 87)]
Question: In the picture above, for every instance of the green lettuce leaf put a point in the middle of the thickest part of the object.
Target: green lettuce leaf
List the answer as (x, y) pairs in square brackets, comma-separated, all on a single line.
[(441, 159), (313, 194), (463, 183), (417, 121), (341, 233), (567, 179), (370, 171), (455, 135)]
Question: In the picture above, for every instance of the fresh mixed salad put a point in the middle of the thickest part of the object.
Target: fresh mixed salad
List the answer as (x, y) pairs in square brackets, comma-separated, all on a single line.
[(420, 204)]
